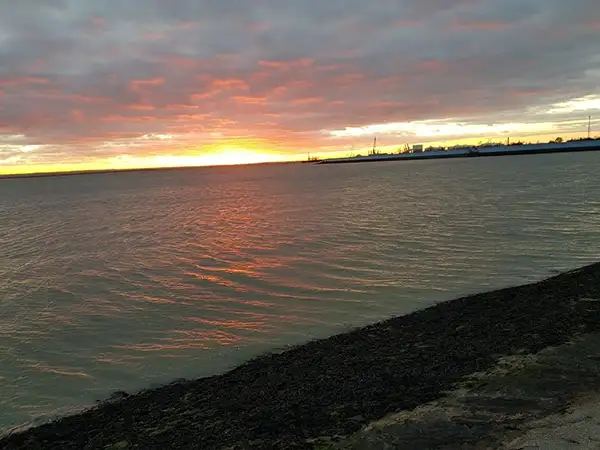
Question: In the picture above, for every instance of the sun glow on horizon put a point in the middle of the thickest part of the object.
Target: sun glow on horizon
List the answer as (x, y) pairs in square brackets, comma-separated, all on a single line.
[(155, 150), (227, 156), (219, 156)]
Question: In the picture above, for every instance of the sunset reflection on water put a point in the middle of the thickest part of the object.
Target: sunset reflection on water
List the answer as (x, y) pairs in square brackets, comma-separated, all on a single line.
[(122, 281)]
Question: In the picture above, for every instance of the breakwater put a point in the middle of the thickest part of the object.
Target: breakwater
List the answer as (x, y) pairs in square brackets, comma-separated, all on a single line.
[(483, 151)]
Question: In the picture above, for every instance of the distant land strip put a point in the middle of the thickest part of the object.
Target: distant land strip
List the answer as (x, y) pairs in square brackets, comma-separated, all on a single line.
[(583, 145)]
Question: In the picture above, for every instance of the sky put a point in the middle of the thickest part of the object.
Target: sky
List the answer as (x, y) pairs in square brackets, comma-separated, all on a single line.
[(125, 83)]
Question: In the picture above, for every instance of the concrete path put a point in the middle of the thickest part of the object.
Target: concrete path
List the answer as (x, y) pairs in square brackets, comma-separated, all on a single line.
[(548, 401)]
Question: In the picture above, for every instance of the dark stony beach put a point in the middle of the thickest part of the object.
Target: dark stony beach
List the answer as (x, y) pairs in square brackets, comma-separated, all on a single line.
[(322, 394)]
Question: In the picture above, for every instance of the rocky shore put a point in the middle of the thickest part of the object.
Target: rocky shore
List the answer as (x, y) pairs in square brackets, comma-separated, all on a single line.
[(475, 372)]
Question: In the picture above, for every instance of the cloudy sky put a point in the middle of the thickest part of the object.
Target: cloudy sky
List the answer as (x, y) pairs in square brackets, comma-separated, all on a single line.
[(116, 81)]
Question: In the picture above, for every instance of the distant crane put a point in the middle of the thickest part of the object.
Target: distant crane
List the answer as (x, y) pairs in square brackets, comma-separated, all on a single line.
[(374, 151)]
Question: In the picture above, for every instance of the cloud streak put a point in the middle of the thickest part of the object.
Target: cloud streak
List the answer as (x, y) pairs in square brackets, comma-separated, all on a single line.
[(84, 79)]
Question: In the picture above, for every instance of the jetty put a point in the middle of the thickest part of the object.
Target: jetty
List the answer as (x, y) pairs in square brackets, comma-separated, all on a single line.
[(484, 371), (487, 150)]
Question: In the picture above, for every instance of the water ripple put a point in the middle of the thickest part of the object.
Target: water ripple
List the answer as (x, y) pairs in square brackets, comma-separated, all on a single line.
[(121, 281)]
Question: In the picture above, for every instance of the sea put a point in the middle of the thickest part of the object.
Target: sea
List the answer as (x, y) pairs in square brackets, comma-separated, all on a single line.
[(125, 281)]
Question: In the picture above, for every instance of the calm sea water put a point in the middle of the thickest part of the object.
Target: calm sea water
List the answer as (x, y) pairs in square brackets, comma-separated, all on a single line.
[(123, 281)]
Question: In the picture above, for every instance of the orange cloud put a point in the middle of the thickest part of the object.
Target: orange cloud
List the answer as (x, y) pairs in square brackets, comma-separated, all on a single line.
[(191, 116), (205, 95), (78, 116), (154, 36), (251, 100), (349, 78), (187, 25), (141, 107), (181, 62), (228, 84), (125, 119), (431, 64), (307, 100), (180, 107), (279, 91), (82, 98), (139, 85), (19, 81)]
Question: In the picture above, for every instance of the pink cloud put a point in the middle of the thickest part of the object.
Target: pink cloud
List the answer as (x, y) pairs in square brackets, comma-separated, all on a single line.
[(228, 84), (204, 95), (141, 107), (349, 78), (308, 100), (154, 36), (212, 101), (142, 84), (24, 80), (431, 64), (593, 24), (259, 27), (125, 119), (191, 116), (97, 25), (250, 100), (288, 65), (81, 98), (38, 65), (181, 62), (187, 25), (77, 116), (181, 107)]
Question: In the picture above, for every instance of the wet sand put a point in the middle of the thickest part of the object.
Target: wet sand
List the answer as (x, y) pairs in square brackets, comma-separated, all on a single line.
[(477, 372)]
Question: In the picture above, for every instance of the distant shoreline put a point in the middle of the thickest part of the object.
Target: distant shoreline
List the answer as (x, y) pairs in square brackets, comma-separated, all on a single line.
[(591, 145), (142, 169), (325, 391)]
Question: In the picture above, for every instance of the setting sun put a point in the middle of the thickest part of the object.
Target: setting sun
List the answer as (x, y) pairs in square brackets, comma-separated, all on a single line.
[(218, 156), (232, 155)]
